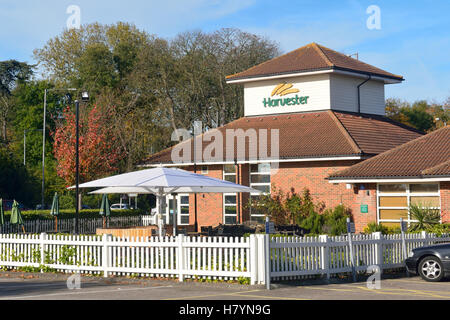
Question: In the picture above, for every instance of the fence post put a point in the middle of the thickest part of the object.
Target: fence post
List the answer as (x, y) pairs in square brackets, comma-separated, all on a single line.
[(105, 254), (42, 239), (379, 250), (325, 255), (267, 266), (253, 259), (180, 260), (426, 242)]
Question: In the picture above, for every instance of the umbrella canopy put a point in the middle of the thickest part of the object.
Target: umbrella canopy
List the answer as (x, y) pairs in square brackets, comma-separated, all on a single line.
[(166, 181), (16, 216), (105, 207), (2, 214), (55, 205)]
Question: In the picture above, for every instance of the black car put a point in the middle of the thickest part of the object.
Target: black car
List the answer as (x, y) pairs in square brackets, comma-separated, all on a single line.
[(432, 263)]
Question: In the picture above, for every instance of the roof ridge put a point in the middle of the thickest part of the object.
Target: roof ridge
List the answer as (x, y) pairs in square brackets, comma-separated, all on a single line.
[(438, 166), (356, 60), (270, 60), (345, 132), (318, 48)]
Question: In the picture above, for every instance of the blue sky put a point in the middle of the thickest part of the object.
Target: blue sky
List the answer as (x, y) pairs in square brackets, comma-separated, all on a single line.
[(414, 39)]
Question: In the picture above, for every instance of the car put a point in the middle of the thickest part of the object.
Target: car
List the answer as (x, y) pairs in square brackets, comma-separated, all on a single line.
[(118, 206), (432, 263)]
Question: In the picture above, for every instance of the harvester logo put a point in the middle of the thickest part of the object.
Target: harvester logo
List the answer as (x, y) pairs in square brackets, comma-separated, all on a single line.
[(281, 90), (284, 89)]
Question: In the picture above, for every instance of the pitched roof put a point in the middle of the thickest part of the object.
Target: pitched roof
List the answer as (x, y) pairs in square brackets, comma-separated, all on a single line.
[(312, 135), (312, 57), (427, 156)]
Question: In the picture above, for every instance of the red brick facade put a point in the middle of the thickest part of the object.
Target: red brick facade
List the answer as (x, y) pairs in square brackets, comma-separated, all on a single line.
[(445, 201), (300, 175)]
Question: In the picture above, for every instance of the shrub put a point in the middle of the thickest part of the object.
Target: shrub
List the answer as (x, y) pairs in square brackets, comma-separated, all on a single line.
[(439, 229), (68, 214), (66, 202), (375, 227), (335, 220), (426, 217)]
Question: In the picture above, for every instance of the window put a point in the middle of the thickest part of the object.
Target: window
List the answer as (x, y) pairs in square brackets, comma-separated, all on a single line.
[(182, 205), (259, 180), (183, 210), (394, 200), (230, 199)]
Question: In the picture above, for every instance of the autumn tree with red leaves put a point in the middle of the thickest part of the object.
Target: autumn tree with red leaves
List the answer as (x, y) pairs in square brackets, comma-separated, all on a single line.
[(99, 150)]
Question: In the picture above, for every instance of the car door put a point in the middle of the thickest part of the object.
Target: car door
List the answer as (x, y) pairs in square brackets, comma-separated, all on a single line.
[(445, 254)]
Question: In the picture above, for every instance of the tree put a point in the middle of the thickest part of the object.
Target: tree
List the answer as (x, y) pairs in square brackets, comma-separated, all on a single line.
[(421, 114), (98, 148), (12, 72)]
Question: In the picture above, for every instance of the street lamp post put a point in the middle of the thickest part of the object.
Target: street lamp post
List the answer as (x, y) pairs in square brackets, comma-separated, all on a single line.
[(77, 166)]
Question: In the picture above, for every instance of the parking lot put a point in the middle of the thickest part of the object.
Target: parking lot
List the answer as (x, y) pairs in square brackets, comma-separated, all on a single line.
[(50, 287)]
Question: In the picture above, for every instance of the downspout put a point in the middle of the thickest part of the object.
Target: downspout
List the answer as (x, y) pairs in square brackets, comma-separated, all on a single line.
[(359, 92), (238, 180)]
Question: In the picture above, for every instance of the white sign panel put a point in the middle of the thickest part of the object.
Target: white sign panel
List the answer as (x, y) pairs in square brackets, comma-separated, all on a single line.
[(309, 93)]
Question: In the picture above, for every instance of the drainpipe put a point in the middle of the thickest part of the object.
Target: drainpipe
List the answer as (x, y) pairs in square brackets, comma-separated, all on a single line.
[(359, 92), (238, 198)]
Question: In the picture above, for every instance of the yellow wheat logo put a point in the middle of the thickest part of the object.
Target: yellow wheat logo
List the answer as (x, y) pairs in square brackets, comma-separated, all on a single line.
[(284, 89)]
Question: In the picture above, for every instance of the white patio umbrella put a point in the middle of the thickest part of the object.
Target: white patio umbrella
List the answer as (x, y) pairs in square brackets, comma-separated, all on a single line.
[(164, 181)]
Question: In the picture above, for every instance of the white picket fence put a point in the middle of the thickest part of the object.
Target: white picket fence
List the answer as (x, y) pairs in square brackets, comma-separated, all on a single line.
[(295, 257), (85, 225), (218, 258), (181, 257)]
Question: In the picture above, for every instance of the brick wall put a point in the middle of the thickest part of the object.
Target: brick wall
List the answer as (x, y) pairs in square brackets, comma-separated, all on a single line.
[(445, 201), (312, 175)]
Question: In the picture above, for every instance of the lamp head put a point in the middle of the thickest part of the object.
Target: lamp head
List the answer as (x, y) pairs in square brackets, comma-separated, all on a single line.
[(84, 96)]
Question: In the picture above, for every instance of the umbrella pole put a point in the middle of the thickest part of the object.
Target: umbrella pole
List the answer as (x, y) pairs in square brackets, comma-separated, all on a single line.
[(56, 224), (23, 229)]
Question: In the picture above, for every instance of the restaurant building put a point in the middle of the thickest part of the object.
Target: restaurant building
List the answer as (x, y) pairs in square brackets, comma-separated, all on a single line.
[(308, 115), (415, 173)]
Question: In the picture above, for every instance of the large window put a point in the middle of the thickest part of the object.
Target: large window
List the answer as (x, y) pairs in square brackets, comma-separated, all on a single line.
[(394, 200), (230, 199), (182, 205), (259, 180)]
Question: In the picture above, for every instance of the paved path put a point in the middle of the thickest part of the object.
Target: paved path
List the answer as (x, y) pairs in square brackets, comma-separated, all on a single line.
[(14, 287)]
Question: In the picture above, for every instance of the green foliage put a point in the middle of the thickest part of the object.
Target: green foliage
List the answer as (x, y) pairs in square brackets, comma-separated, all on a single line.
[(420, 115), (15, 181), (439, 229), (287, 208), (69, 214), (300, 209), (314, 222), (375, 227), (67, 202), (426, 216), (335, 220)]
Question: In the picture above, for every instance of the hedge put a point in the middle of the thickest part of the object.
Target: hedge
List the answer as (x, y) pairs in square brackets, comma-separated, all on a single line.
[(70, 213)]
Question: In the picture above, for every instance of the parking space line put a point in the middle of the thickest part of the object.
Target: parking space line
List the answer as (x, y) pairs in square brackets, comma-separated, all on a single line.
[(210, 295), (403, 291), (270, 297)]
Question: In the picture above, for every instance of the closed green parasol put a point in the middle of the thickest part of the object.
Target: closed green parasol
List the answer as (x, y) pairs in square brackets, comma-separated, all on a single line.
[(2, 214), (55, 209), (16, 216), (105, 209)]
